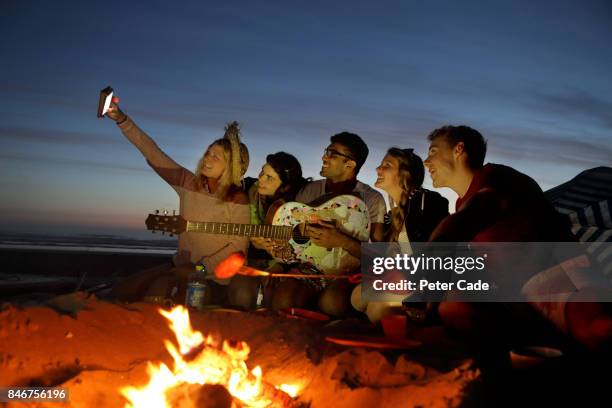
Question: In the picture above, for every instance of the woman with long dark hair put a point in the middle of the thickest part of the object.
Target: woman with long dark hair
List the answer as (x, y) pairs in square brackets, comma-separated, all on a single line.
[(279, 181)]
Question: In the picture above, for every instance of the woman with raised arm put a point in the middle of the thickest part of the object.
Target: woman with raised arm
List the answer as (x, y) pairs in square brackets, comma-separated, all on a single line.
[(212, 193), (415, 213)]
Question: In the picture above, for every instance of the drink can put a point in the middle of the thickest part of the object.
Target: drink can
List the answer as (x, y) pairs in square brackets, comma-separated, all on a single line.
[(195, 296)]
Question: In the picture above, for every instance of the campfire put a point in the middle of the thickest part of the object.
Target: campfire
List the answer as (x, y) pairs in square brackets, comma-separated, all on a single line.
[(112, 355), (202, 361)]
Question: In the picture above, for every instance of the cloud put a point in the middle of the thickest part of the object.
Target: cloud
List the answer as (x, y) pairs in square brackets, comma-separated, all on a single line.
[(72, 162), (55, 136), (575, 103), (549, 147)]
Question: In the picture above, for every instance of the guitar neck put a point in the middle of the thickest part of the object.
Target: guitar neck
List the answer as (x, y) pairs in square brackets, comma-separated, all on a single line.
[(248, 230)]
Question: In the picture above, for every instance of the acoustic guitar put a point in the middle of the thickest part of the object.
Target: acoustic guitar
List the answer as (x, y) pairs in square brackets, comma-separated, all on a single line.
[(349, 213)]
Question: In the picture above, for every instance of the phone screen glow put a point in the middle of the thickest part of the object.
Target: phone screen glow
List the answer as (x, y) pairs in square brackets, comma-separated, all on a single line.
[(107, 103)]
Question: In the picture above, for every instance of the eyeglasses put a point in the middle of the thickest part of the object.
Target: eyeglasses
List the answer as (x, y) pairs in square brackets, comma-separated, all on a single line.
[(329, 152)]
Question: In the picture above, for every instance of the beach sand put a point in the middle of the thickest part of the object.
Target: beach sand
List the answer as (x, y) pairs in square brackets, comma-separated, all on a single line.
[(94, 348)]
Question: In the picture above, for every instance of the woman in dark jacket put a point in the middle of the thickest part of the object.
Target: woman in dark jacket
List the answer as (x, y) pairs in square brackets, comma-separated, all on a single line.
[(415, 213)]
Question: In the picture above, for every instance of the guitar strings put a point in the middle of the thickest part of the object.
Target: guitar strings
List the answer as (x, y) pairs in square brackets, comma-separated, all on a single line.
[(274, 231)]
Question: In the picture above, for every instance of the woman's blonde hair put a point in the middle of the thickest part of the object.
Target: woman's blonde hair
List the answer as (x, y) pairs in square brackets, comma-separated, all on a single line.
[(236, 156)]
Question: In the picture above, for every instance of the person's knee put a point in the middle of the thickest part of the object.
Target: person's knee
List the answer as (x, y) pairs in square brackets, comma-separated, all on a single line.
[(161, 286), (283, 300), (589, 324), (138, 289), (335, 300), (457, 315), (357, 301), (290, 293), (376, 311), (243, 291), (149, 282)]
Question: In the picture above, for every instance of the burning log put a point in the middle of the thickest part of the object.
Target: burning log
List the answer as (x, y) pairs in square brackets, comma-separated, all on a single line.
[(268, 396), (278, 398), (199, 362), (195, 395), (217, 396)]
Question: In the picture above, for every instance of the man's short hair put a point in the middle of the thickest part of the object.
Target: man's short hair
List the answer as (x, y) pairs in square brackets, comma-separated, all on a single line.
[(357, 148), (475, 145)]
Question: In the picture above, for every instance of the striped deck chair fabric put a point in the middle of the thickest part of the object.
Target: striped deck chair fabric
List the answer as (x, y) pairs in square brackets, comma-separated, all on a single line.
[(587, 201)]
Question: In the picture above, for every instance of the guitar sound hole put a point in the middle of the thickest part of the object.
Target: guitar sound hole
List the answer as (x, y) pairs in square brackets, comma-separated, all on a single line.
[(299, 235)]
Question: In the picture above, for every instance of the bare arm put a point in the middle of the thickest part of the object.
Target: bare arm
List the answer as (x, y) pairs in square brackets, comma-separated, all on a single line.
[(328, 236)]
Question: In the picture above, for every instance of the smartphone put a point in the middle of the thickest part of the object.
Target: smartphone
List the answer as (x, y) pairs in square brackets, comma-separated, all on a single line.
[(106, 97)]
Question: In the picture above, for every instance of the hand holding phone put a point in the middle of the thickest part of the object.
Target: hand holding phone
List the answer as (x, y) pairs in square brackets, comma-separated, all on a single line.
[(107, 105), (106, 98)]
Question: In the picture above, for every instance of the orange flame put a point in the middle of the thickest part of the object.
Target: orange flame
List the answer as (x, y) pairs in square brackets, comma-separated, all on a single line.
[(211, 365)]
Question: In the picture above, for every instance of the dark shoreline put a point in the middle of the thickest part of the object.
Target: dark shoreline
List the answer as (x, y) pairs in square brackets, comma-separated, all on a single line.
[(28, 270), (81, 240)]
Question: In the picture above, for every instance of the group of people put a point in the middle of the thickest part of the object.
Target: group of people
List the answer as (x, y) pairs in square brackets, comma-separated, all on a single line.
[(496, 204)]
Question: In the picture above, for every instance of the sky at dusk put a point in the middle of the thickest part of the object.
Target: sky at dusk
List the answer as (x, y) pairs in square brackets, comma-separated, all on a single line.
[(533, 77)]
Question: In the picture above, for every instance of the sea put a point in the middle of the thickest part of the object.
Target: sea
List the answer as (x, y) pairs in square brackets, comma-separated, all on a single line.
[(87, 243)]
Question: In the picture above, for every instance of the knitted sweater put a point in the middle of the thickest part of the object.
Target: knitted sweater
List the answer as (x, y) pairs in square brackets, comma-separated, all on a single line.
[(194, 206)]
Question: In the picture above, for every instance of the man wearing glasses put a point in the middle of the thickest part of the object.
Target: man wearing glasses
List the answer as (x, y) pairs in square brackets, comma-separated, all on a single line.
[(342, 160)]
